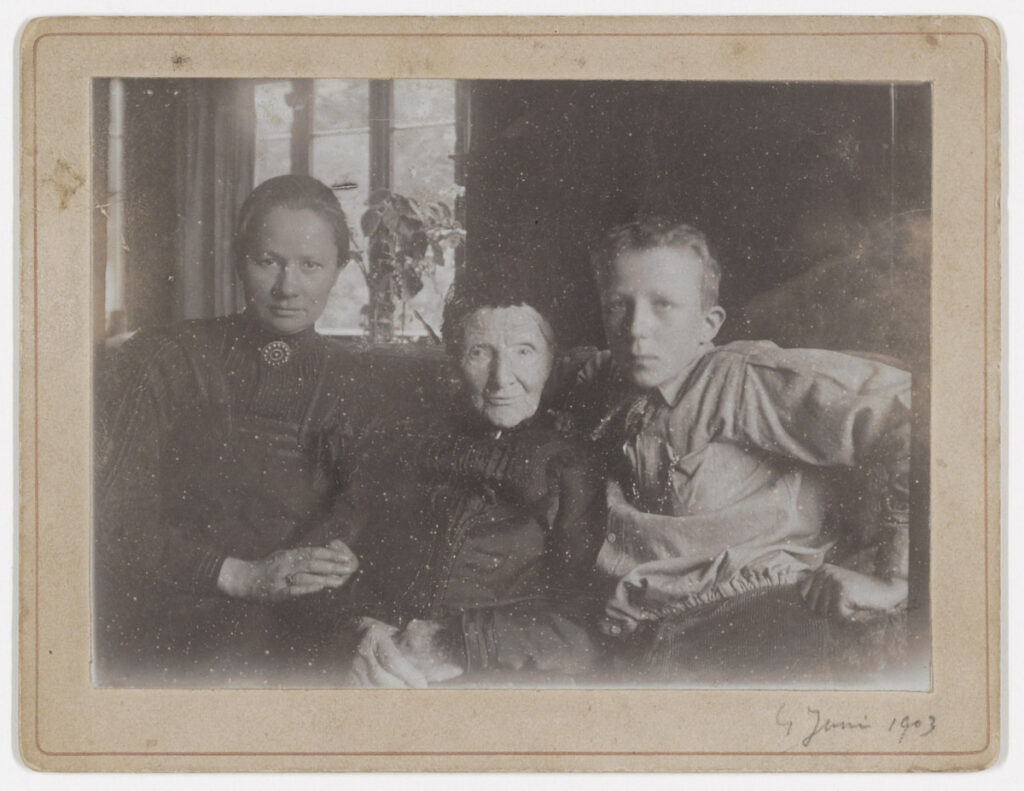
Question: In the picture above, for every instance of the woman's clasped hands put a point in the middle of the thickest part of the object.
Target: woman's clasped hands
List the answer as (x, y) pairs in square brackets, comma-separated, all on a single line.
[(287, 573)]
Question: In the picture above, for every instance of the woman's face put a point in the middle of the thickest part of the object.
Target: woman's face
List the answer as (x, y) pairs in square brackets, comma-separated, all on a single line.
[(289, 269), (506, 360)]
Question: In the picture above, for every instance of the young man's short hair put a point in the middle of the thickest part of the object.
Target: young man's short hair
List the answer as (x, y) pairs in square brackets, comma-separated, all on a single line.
[(649, 234)]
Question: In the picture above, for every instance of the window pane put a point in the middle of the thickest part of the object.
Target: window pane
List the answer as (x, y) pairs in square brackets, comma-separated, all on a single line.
[(423, 142), (273, 130), (424, 102), (343, 313), (344, 159), (341, 155), (341, 104), (423, 168)]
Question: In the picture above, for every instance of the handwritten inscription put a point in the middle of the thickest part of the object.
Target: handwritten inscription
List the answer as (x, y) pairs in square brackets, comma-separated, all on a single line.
[(907, 725), (815, 724), (827, 725)]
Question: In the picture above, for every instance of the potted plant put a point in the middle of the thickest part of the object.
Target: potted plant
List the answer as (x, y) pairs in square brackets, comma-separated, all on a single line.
[(404, 243)]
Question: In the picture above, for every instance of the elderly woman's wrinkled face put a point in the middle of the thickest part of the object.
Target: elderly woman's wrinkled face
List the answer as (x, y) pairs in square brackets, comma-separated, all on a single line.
[(506, 360), (290, 269)]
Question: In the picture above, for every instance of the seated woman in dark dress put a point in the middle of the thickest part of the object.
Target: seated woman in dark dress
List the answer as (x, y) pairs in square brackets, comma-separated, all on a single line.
[(479, 527), (221, 461)]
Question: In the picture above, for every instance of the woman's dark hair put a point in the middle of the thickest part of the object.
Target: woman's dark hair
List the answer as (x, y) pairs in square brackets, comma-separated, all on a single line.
[(501, 287), (295, 193)]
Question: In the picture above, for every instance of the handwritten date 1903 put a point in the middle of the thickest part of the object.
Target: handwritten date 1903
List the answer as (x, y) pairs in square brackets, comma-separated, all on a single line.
[(919, 726), (814, 724)]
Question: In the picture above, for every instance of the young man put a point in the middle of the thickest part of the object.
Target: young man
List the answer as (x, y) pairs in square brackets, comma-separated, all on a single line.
[(724, 539)]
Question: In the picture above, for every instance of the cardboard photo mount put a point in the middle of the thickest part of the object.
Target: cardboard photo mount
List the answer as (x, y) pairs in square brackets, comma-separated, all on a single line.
[(68, 724)]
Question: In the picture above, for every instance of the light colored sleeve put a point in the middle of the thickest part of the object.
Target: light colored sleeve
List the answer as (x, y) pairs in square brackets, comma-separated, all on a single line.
[(831, 409)]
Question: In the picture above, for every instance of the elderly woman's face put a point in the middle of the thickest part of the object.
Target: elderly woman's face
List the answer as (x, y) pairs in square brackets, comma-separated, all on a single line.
[(506, 360), (290, 268)]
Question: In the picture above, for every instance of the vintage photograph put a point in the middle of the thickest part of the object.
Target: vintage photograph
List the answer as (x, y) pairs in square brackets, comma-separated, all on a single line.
[(510, 394), (477, 383)]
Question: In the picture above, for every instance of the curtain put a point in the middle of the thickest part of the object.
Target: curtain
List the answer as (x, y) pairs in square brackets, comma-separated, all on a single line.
[(216, 122)]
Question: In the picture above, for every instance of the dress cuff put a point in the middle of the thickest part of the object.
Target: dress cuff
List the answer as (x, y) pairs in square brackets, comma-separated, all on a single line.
[(206, 572), (478, 639), (892, 560)]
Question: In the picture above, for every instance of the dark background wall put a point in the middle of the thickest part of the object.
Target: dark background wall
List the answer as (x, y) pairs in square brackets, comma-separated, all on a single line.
[(786, 180)]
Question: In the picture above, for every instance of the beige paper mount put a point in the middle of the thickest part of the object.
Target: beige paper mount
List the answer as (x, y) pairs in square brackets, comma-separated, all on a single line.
[(67, 724)]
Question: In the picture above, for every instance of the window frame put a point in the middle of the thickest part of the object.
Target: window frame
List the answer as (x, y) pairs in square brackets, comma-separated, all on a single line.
[(301, 98)]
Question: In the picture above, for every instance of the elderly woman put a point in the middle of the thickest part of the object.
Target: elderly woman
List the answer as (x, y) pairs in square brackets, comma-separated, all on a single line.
[(480, 526), (223, 459)]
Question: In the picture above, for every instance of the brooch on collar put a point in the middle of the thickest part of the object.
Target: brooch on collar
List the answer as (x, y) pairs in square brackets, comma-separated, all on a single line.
[(276, 353)]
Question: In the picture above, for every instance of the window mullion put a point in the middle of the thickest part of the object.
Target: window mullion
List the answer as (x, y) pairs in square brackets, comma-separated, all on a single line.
[(301, 101), (381, 126)]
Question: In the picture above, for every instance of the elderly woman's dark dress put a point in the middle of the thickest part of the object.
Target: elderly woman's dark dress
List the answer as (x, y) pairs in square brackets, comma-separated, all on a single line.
[(477, 525), (494, 537)]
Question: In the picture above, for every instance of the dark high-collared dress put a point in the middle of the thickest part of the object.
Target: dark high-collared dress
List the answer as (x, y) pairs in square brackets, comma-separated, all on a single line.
[(494, 534), (221, 440)]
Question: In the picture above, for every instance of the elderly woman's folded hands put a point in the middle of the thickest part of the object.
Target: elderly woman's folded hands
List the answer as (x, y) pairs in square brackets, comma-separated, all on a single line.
[(415, 656)]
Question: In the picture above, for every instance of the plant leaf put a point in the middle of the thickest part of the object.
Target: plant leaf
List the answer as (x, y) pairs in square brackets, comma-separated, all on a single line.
[(370, 221), (418, 244), (409, 228), (378, 196), (414, 209), (402, 204), (412, 283)]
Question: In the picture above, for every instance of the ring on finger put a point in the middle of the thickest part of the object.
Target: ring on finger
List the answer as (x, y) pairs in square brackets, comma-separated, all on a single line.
[(289, 580)]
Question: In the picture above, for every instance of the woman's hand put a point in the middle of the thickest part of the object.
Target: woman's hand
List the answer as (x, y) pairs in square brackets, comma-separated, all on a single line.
[(836, 591), (425, 644), (417, 656), (288, 573), (379, 661)]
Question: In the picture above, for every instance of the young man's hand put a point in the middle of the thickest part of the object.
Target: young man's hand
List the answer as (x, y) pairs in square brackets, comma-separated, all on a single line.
[(844, 593), (616, 623)]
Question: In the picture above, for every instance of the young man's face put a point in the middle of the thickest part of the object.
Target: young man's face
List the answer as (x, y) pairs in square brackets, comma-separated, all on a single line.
[(654, 318)]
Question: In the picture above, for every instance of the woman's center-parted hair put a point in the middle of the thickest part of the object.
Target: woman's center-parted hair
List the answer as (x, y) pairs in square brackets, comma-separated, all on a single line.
[(295, 193), (655, 232)]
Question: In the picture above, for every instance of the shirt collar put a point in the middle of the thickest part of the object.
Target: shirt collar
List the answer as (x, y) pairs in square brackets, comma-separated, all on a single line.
[(671, 392)]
